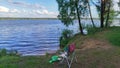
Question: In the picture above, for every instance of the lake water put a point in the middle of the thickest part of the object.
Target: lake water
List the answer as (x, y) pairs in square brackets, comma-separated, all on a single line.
[(33, 37)]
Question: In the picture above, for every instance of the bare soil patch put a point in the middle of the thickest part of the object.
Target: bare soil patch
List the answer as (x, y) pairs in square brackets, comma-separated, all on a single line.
[(94, 43)]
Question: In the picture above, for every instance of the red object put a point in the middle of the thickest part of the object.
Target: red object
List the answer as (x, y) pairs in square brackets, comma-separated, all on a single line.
[(71, 47)]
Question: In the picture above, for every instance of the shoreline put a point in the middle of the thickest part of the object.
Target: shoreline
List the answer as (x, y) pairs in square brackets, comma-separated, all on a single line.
[(44, 18), (13, 18)]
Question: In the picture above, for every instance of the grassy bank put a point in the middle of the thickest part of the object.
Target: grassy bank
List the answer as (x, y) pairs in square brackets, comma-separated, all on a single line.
[(99, 50)]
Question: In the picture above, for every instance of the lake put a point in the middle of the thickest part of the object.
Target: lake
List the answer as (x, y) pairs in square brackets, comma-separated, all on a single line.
[(33, 37)]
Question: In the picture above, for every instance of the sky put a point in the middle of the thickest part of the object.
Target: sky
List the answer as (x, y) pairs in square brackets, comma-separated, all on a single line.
[(34, 8)]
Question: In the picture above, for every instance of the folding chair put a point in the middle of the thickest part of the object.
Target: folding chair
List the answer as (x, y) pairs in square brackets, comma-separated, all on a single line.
[(68, 55)]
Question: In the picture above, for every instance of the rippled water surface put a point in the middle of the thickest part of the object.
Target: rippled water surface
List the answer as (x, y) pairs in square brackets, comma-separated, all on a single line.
[(32, 37)]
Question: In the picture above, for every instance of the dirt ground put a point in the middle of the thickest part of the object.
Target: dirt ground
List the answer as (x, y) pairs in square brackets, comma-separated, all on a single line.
[(94, 43)]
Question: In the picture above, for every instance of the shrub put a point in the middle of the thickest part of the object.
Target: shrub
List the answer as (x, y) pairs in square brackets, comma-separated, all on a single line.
[(13, 53), (65, 37), (92, 30), (4, 52)]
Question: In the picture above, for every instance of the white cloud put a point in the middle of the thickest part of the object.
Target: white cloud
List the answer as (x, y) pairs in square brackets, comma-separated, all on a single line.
[(41, 12), (7, 10), (38, 13), (24, 9), (44, 12), (4, 9), (24, 4), (14, 11)]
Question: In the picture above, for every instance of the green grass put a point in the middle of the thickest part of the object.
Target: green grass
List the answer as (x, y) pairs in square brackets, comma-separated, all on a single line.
[(25, 62), (92, 58), (9, 62), (113, 36), (87, 59)]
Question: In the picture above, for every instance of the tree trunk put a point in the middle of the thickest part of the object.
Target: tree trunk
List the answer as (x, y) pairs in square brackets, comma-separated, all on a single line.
[(79, 19), (119, 9), (90, 14), (106, 25), (102, 14)]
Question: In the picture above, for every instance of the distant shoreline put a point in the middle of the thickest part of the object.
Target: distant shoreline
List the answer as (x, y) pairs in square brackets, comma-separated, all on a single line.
[(12, 18)]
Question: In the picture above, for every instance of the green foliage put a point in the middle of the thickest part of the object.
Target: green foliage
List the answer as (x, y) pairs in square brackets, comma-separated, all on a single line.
[(91, 30), (46, 54), (4, 52), (69, 10), (13, 53), (111, 17), (119, 3), (112, 13), (65, 38), (66, 11), (119, 6)]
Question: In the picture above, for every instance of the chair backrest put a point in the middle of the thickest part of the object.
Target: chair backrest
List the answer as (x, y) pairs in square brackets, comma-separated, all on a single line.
[(71, 47)]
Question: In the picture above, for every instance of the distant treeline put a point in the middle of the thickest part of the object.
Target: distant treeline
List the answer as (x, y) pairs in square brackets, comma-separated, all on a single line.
[(10, 18)]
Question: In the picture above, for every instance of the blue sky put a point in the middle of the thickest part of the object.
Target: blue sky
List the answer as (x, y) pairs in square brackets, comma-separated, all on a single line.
[(32, 8), (28, 8)]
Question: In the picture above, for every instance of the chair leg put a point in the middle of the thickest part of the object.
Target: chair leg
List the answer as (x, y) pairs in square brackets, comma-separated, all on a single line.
[(75, 59), (71, 61), (62, 60), (68, 63)]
